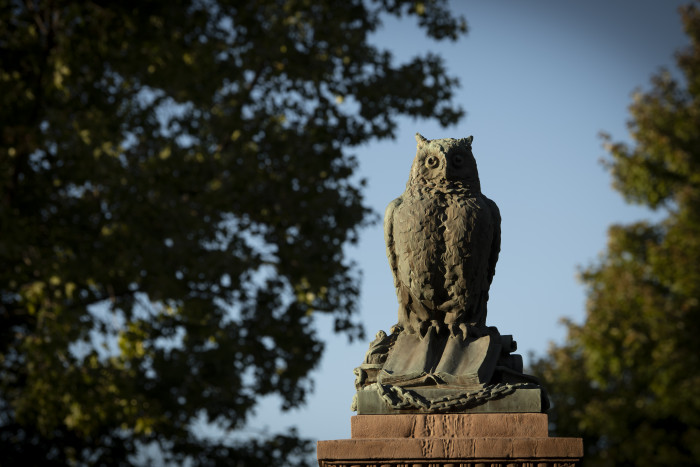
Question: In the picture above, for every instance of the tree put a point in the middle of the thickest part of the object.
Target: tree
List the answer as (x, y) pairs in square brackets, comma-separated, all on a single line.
[(626, 379), (177, 190)]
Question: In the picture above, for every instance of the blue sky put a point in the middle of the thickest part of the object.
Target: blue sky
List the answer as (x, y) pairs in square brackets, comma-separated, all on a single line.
[(539, 80)]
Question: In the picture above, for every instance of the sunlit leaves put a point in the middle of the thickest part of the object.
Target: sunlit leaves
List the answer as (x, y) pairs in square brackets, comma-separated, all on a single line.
[(177, 193)]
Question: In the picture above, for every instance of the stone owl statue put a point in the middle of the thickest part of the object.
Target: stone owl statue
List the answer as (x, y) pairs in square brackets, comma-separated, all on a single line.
[(443, 238)]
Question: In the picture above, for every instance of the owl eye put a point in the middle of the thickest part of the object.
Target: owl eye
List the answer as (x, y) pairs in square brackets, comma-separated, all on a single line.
[(458, 160), (431, 162)]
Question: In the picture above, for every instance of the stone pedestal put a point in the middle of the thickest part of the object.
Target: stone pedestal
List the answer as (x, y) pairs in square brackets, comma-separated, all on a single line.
[(456, 440)]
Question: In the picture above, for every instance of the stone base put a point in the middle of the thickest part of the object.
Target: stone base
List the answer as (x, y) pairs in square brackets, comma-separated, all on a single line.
[(458, 440), (512, 425), (530, 400)]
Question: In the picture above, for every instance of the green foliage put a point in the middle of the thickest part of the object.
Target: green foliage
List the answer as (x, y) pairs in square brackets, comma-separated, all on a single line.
[(626, 380), (176, 195)]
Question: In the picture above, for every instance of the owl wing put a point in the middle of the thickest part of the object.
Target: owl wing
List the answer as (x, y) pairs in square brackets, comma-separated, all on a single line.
[(389, 238), (496, 239)]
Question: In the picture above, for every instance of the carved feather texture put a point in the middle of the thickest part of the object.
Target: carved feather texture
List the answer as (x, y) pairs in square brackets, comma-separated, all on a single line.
[(443, 238)]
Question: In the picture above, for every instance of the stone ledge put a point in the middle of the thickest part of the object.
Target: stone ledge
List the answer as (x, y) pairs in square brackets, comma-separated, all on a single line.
[(479, 425), (452, 450), (455, 463), (521, 401)]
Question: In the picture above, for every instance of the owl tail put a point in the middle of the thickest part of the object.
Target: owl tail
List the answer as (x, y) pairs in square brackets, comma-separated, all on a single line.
[(412, 312), (458, 310)]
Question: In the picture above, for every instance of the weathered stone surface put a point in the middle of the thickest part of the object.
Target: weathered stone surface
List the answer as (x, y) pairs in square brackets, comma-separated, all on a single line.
[(441, 359), (443, 389), (437, 440), (443, 236), (371, 402), (443, 451), (443, 240), (507, 425)]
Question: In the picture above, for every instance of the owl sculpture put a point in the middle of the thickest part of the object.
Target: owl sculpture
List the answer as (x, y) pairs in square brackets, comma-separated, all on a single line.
[(443, 238)]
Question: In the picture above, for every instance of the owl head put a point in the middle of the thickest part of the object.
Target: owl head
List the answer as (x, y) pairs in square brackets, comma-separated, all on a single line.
[(443, 162)]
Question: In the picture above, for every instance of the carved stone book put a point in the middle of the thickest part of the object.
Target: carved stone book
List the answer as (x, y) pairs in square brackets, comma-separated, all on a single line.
[(441, 360)]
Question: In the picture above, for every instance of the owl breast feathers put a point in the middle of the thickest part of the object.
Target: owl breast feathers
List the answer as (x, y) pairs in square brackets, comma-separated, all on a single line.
[(443, 238)]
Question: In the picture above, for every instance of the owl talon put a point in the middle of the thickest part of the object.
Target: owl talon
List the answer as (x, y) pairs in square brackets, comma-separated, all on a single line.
[(424, 326), (438, 326), (459, 330), (464, 330), (453, 329)]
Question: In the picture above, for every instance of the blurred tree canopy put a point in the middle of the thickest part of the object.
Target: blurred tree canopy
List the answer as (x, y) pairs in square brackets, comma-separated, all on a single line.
[(177, 191), (627, 379)]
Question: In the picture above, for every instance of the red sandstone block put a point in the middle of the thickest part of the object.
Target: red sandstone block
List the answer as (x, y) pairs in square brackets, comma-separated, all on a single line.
[(450, 448), (506, 425), (548, 447)]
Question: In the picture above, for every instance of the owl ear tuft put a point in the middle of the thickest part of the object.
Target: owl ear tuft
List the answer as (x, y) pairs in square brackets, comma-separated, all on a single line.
[(420, 139), (468, 140)]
